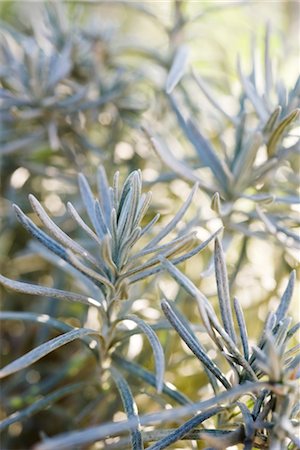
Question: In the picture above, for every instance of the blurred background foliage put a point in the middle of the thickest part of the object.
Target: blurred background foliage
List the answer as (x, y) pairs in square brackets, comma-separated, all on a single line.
[(84, 83)]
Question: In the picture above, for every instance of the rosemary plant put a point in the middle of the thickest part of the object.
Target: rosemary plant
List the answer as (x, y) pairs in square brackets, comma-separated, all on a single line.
[(56, 82), (253, 183), (115, 228), (252, 403), (123, 329)]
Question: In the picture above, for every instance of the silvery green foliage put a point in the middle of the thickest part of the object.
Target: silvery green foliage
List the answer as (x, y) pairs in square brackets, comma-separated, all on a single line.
[(268, 419), (56, 81), (114, 229), (259, 169), (106, 269), (253, 400)]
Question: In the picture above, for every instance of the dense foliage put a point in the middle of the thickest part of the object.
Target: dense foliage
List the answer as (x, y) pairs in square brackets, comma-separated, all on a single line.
[(148, 292)]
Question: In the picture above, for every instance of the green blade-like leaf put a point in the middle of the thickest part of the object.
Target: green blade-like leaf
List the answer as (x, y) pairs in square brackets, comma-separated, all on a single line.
[(44, 319), (286, 298), (210, 97), (41, 404), (69, 440), (209, 156), (88, 199), (178, 167), (250, 91), (129, 407), (272, 121), (242, 327), (177, 260), (172, 224), (27, 288), (184, 429), (37, 318), (223, 290), (177, 69), (72, 210), (174, 317), (48, 242), (148, 377), (279, 131), (156, 347), (57, 232), (43, 350), (104, 194)]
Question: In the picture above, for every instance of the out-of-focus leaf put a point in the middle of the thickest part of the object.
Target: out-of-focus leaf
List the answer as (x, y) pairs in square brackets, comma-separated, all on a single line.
[(148, 377), (211, 98), (129, 407), (209, 156), (279, 131), (92, 434), (272, 121), (43, 350), (184, 429), (179, 167), (36, 318), (253, 96), (286, 298), (178, 216), (177, 69), (41, 404)]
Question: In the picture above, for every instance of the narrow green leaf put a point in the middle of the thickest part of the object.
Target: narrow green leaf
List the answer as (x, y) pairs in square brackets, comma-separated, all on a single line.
[(41, 404), (177, 69), (253, 96), (44, 319), (286, 298), (268, 63), (172, 224), (173, 316), (272, 121), (279, 131), (248, 424), (96, 277), (22, 143), (164, 247), (37, 318), (176, 260), (82, 223), (208, 156), (129, 407), (57, 232), (138, 371), (43, 350), (87, 198), (48, 242), (181, 431), (156, 347), (143, 207), (223, 290), (178, 167), (242, 327), (100, 224), (69, 440), (27, 288), (211, 98), (104, 193), (243, 163)]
